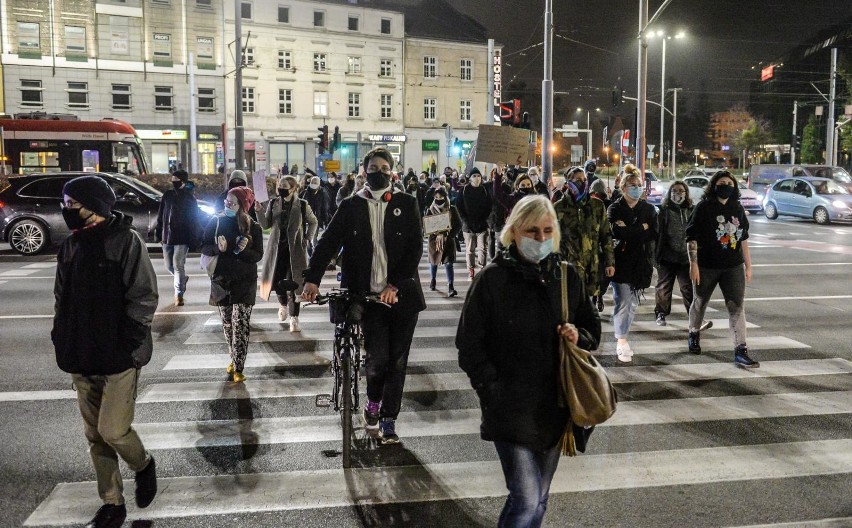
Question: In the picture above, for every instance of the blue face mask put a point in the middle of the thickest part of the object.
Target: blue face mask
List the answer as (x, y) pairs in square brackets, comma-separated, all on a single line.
[(230, 213), (535, 251), (635, 192)]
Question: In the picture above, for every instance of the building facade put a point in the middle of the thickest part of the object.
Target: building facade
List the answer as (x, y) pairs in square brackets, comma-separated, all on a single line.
[(121, 59), (722, 133)]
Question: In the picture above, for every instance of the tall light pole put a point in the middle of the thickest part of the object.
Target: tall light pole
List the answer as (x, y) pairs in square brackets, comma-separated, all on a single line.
[(664, 37), (590, 154), (547, 96), (673, 148), (239, 132), (642, 88)]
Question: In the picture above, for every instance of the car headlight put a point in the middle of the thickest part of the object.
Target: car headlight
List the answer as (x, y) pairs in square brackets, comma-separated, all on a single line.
[(207, 209), (840, 204)]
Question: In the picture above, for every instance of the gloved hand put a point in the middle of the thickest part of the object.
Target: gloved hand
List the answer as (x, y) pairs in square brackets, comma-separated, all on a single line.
[(222, 243), (242, 243)]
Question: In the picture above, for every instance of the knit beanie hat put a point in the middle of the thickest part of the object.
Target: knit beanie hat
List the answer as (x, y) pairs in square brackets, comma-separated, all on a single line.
[(474, 171), (237, 175), (598, 187), (245, 196), (182, 175), (93, 193)]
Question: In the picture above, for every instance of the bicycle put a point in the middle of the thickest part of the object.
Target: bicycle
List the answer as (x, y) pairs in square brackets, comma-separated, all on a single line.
[(346, 309)]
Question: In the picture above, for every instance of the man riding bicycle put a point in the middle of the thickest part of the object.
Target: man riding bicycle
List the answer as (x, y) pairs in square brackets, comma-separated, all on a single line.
[(381, 236)]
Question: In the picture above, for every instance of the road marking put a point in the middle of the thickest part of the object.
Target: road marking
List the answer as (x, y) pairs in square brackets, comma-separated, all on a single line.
[(317, 341), (791, 298), (219, 495), (18, 396), (838, 522), (671, 326), (18, 273), (326, 428), (322, 317), (713, 344), (694, 372), (804, 265), (40, 265)]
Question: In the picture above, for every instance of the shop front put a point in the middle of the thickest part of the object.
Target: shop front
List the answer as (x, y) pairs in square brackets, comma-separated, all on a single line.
[(286, 153), (164, 147)]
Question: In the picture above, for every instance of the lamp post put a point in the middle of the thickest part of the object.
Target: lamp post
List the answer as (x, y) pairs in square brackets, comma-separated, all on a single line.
[(664, 37), (589, 128)]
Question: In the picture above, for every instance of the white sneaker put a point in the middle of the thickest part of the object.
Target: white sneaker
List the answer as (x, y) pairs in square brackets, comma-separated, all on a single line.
[(282, 312), (625, 354), (705, 325), (294, 324)]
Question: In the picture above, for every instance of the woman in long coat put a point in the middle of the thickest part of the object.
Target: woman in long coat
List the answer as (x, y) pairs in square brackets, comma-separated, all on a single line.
[(293, 223), (442, 245)]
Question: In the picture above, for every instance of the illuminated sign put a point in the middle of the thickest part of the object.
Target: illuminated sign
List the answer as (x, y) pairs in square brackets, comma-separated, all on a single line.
[(379, 138), (497, 67), (767, 73)]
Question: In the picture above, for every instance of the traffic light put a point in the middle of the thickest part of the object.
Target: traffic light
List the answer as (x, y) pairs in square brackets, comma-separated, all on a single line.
[(525, 121), (797, 141), (335, 142), (510, 112), (323, 139), (617, 96)]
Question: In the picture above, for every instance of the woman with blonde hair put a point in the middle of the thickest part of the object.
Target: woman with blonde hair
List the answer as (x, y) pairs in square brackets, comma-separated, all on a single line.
[(508, 342), (292, 224)]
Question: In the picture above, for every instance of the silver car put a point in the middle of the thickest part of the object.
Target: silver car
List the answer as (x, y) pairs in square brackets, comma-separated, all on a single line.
[(822, 199)]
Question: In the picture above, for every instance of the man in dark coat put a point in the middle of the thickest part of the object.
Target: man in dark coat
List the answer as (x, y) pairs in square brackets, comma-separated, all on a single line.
[(475, 206), (178, 229), (381, 236), (106, 296)]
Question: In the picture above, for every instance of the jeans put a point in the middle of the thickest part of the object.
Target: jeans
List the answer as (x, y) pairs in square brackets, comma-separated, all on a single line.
[(626, 301), (732, 283), (387, 341), (528, 474), (667, 272), (475, 243), (448, 267), (175, 258)]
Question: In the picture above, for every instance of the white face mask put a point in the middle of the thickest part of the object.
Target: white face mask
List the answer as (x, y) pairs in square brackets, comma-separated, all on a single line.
[(314, 186), (332, 181), (678, 198)]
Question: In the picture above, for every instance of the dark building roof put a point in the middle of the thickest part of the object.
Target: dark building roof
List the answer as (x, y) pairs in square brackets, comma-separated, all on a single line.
[(434, 19)]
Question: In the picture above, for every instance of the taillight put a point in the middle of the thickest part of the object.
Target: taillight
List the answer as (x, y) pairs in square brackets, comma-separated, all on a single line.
[(2, 205)]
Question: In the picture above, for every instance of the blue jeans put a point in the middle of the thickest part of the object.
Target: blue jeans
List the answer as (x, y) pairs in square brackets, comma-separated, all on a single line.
[(626, 301), (448, 267), (528, 474), (175, 258)]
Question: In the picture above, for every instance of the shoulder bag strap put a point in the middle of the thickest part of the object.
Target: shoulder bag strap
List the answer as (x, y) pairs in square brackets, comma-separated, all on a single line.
[(564, 266)]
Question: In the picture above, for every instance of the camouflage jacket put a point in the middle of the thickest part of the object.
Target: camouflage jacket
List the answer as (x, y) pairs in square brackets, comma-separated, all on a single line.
[(586, 236)]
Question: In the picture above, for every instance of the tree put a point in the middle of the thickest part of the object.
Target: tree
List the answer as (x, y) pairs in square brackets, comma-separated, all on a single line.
[(752, 137), (811, 144)]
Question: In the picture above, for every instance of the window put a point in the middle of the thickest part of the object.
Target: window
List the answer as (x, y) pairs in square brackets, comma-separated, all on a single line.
[(285, 101), (354, 104), (465, 111), (429, 108), (319, 62), (121, 97), (246, 10), (161, 2), (204, 4), (320, 103), (162, 49), (206, 99), (386, 68), (248, 57), (354, 65), (353, 23), (466, 70), (163, 98), (29, 40), (75, 41), (204, 46), (285, 59), (386, 26), (319, 18), (430, 67), (283, 15), (31, 93), (78, 94), (248, 99), (387, 106)]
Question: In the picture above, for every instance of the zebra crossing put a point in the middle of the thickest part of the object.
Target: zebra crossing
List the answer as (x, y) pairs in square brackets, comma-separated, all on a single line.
[(442, 467)]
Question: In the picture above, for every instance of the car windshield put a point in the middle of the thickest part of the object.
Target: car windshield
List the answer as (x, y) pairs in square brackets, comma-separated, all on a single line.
[(142, 186), (829, 187), (839, 174)]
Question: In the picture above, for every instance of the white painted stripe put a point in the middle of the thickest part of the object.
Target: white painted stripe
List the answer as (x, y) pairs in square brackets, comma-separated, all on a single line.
[(40, 265), (268, 359), (322, 317), (26, 316), (672, 326), (325, 428), (838, 522), (17, 273), (790, 298), (768, 369), (214, 495), (3, 282), (321, 338), (800, 265), (38, 395), (715, 344), (45, 316)]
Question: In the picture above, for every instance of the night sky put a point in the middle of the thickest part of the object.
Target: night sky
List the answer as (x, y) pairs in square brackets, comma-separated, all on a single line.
[(725, 40)]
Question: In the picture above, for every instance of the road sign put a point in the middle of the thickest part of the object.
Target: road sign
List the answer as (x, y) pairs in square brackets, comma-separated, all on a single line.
[(331, 165), (571, 129), (651, 148), (697, 151), (576, 153)]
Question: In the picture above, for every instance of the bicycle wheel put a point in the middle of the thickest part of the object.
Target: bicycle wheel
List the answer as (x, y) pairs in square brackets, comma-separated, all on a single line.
[(346, 406)]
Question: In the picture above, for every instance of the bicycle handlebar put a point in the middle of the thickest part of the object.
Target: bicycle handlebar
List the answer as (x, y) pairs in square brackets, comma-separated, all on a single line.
[(346, 295)]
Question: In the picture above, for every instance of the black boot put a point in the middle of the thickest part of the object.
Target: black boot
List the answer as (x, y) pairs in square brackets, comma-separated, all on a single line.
[(694, 342), (432, 284), (452, 290), (742, 358)]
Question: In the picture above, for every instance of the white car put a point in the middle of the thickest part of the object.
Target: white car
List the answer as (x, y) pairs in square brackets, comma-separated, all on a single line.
[(749, 199)]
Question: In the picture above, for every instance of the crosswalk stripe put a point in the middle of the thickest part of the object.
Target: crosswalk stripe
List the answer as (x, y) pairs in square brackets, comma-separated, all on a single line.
[(326, 428), (17, 396), (693, 372), (671, 326), (215, 495), (844, 522), (708, 344)]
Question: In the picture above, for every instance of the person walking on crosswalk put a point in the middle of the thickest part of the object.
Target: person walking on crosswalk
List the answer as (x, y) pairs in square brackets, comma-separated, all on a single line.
[(508, 343), (106, 296), (178, 229), (292, 224), (475, 207), (717, 245), (237, 243), (380, 232), (442, 246)]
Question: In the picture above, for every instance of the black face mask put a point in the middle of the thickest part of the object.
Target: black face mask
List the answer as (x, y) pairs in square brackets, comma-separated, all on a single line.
[(525, 190), (73, 219), (440, 201), (378, 180), (724, 191), (283, 193), (177, 184)]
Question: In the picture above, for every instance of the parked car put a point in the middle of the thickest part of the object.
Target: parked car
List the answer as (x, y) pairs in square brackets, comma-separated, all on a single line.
[(657, 190), (748, 198), (701, 172), (763, 176), (31, 212), (822, 199)]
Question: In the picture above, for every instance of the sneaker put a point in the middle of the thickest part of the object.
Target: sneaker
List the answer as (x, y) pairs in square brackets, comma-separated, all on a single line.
[(231, 369), (694, 341), (294, 324), (109, 516), (238, 377), (600, 304), (741, 357), (371, 414), (705, 325), (451, 290), (432, 284), (146, 484), (387, 428), (661, 319), (282, 312), (178, 301), (625, 354), (471, 272)]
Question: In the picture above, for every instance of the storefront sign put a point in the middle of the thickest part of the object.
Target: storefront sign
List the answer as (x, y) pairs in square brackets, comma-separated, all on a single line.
[(208, 137), (767, 73), (497, 67), (379, 138), (162, 134), (431, 145), (119, 30)]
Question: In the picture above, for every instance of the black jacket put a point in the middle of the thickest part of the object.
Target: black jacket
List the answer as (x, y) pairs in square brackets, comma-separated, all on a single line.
[(671, 233), (178, 221), (475, 206), (633, 244), (318, 200), (509, 347), (106, 296), (350, 230), (235, 279)]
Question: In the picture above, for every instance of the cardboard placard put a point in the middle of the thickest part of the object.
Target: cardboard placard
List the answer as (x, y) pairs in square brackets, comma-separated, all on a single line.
[(502, 145), (258, 184), (436, 223)]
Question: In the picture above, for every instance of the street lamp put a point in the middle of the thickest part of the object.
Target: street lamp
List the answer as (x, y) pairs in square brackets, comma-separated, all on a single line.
[(589, 127), (662, 35)]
